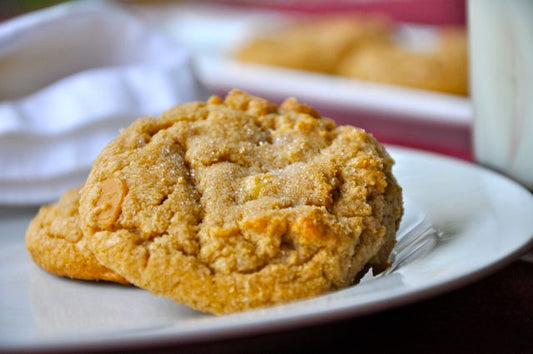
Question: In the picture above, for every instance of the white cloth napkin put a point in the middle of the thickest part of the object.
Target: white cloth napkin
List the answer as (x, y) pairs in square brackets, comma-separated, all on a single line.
[(70, 77)]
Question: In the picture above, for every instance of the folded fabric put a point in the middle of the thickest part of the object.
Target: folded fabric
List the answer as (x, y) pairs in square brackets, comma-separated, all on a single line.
[(70, 77)]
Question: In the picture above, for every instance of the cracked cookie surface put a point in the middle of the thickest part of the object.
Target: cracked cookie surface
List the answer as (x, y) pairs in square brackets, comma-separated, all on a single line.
[(234, 204), (56, 243)]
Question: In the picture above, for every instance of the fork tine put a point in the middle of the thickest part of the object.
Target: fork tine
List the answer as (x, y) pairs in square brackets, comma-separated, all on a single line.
[(416, 241)]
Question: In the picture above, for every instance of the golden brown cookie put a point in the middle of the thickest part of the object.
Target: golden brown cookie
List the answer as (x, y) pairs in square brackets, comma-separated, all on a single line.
[(314, 44), (443, 69), (55, 242), (236, 204)]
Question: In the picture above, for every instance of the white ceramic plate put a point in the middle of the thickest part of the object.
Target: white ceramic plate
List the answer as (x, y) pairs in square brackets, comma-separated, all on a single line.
[(484, 219), (355, 97)]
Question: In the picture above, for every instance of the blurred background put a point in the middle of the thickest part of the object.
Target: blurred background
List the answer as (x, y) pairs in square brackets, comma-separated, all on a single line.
[(398, 68)]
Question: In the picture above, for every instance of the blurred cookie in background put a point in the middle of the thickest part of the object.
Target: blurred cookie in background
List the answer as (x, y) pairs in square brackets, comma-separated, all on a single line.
[(444, 67), (315, 44), (369, 48)]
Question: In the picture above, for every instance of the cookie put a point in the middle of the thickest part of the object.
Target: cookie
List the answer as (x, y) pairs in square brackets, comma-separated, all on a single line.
[(231, 205), (56, 243), (444, 69), (314, 44)]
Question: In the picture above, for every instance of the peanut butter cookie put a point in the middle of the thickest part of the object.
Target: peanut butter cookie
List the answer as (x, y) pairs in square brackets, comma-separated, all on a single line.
[(444, 69), (316, 44), (55, 242), (235, 204)]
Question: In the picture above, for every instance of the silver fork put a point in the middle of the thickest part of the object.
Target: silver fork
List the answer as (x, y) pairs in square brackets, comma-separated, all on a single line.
[(417, 240)]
